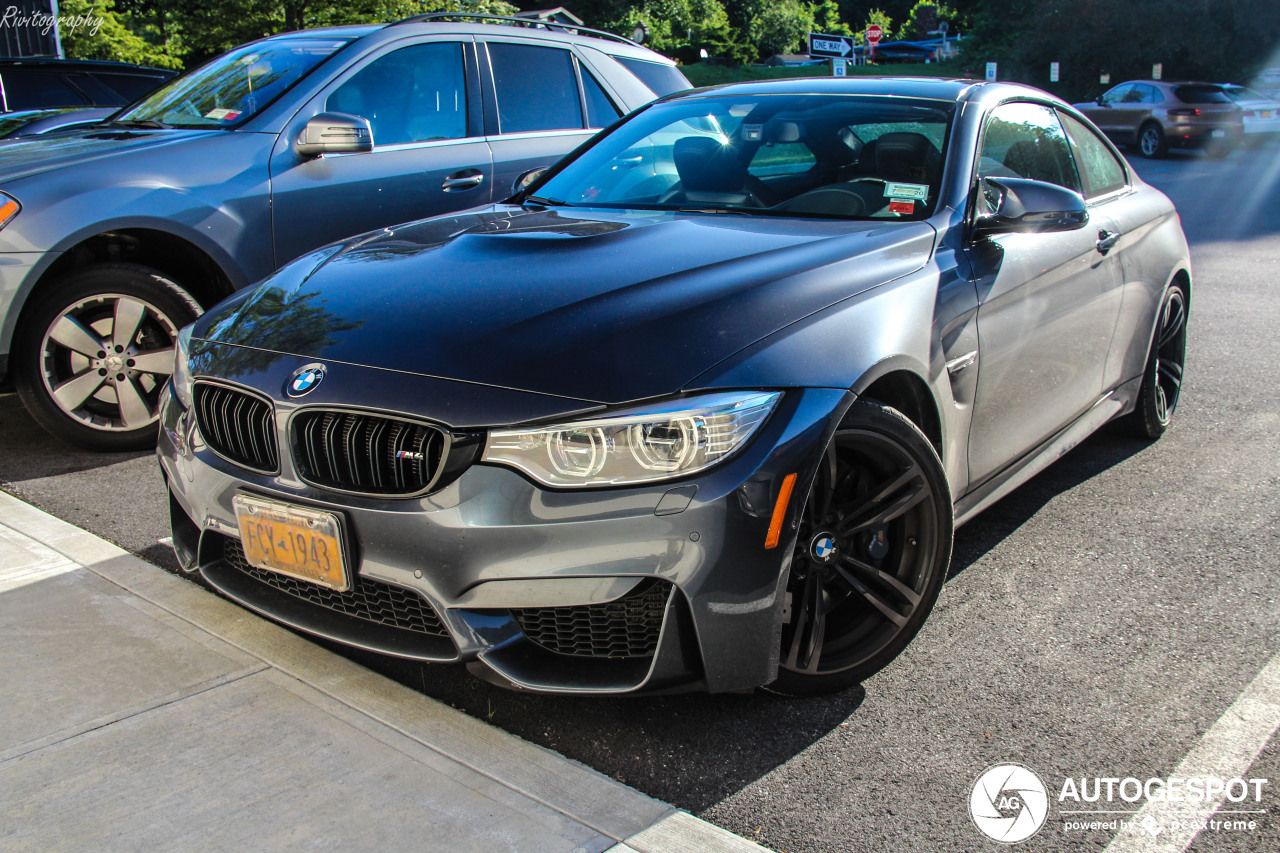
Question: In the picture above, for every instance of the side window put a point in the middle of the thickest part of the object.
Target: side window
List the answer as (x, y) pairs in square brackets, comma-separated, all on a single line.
[(1100, 171), (600, 110), (1136, 95), (1118, 94), (1026, 141), (414, 94), (1151, 95), (537, 89)]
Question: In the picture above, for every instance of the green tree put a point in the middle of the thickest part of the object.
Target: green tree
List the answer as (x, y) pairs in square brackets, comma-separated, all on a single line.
[(683, 28), (104, 35), (875, 16), (781, 26), (826, 16), (914, 27)]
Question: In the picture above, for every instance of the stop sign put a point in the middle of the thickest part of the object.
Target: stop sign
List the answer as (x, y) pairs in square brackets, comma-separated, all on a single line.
[(873, 34)]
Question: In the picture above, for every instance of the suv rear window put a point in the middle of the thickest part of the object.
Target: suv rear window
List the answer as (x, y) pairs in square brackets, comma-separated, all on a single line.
[(1201, 95), (662, 79)]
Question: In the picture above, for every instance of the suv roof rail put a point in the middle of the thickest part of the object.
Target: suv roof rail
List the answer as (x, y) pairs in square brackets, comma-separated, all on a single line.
[(510, 19)]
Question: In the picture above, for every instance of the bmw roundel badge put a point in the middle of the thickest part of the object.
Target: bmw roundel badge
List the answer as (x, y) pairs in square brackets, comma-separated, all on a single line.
[(304, 380)]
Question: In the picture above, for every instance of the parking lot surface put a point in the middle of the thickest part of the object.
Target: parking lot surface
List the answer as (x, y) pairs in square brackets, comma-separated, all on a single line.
[(1106, 620)]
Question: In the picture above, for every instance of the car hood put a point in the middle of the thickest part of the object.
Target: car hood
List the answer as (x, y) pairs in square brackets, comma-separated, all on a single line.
[(594, 305), (27, 156)]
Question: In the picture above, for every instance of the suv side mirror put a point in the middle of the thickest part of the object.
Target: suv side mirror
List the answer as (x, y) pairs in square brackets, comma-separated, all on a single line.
[(335, 133), (526, 179), (1007, 205), (1100, 101)]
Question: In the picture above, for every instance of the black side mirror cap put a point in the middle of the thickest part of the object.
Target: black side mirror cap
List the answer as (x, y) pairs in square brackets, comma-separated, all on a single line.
[(1020, 205), (335, 133)]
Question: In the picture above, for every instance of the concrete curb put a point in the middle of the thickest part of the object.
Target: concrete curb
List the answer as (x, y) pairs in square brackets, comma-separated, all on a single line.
[(636, 822)]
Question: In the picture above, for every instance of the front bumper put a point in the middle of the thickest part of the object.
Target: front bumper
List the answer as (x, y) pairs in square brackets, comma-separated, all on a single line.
[(622, 590)]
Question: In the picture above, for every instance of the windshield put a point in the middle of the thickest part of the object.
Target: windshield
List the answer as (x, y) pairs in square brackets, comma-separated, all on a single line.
[(234, 86), (828, 156), (1244, 93)]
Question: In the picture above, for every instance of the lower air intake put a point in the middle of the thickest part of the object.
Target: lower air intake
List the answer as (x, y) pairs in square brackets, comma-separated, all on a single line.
[(626, 628)]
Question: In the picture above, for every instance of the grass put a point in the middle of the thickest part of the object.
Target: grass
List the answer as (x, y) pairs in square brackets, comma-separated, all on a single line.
[(711, 74)]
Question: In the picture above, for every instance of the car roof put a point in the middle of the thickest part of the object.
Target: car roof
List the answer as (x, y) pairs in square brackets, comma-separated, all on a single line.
[(911, 87), (83, 64), (614, 45)]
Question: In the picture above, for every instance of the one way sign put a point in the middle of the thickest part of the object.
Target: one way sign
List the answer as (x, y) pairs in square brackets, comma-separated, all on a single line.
[(825, 45)]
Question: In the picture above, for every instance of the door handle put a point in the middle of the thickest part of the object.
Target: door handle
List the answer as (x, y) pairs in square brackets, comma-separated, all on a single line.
[(1106, 240), (464, 180)]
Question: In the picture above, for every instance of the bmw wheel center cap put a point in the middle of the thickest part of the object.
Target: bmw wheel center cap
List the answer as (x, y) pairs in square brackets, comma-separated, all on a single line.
[(305, 379), (823, 547)]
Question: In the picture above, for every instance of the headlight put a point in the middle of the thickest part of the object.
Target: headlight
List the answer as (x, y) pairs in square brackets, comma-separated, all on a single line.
[(9, 208), (181, 378), (647, 444)]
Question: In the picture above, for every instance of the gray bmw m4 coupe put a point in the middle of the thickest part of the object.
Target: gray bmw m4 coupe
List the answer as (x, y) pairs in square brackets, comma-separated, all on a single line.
[(700, 407)]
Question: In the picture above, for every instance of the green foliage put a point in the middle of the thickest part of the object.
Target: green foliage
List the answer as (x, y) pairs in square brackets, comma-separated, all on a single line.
[(826, 16), (683, 28), (780, 26), (914, 27), (875, 16), (104, 36)]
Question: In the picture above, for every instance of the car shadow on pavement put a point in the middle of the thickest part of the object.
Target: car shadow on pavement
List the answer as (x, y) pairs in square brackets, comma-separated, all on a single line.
[(1101, 451), (696, 750), (27, 452)]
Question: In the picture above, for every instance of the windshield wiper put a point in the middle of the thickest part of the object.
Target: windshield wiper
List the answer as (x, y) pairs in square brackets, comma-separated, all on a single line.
[(149, 123), (543, 202), (741, 211)]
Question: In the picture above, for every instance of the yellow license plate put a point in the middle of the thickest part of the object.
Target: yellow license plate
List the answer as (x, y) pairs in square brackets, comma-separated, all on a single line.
[(297, 541), (1266, 113)]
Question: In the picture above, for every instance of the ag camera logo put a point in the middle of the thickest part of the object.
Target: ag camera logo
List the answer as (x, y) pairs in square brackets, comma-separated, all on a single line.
[(1009, 803)]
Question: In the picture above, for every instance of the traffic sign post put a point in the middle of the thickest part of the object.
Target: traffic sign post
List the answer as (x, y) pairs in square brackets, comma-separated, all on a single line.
[(835, 47), (991, 72), (874, 34), (1054, 72), (838, 68)]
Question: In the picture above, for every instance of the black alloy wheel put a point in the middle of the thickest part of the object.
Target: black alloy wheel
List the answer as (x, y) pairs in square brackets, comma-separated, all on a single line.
[(873, 550), (1162, 380)]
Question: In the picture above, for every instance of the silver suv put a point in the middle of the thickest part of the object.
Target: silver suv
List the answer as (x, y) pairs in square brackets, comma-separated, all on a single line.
[(114, 237)]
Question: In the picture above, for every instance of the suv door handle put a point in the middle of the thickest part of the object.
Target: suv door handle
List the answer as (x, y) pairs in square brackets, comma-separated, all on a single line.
[(1106, 240), (465, 180)]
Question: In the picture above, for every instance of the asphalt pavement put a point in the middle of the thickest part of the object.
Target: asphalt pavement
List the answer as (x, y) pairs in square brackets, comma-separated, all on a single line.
[(1105, 620)]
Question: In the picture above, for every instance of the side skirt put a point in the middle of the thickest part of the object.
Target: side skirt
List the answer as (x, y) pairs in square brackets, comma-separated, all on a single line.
[(1111, 405)]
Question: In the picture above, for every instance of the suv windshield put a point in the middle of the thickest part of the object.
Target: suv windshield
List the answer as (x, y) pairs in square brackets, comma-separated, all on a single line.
[(234, 86), (828, 156)]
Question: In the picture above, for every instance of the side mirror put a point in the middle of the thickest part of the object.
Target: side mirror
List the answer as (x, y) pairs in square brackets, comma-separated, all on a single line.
[(335, 133), (1008, 205), (526, 179), (1101, 101)]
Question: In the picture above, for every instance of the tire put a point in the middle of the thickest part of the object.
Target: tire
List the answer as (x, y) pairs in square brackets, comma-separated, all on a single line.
[(880, 501), (1217, 149), (82, 380), (1151, 141), (1162, 377)]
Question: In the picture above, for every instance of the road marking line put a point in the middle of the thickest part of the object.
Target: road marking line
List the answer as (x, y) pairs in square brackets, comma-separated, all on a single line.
[(1226, 751)]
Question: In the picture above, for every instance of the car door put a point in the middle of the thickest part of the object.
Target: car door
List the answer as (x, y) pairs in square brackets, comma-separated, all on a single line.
[(1107, 113), (545, 103), (429, 154), (1109, 194), (1047, 302)]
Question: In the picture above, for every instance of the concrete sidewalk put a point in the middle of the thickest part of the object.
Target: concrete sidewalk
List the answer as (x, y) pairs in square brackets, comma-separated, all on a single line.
[(138, 711)]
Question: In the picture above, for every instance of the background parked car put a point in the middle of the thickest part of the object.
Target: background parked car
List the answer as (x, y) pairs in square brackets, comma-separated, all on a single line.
[(115, 237), (28, 84), (35, 122), (1261, 113), (1154, 116)]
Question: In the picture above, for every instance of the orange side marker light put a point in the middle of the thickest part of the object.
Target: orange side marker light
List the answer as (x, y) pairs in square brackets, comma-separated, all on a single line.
[(779, 512)]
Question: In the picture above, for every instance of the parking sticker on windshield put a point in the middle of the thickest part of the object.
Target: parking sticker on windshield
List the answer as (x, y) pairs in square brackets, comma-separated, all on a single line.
[(919, 192), (902, 206)]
